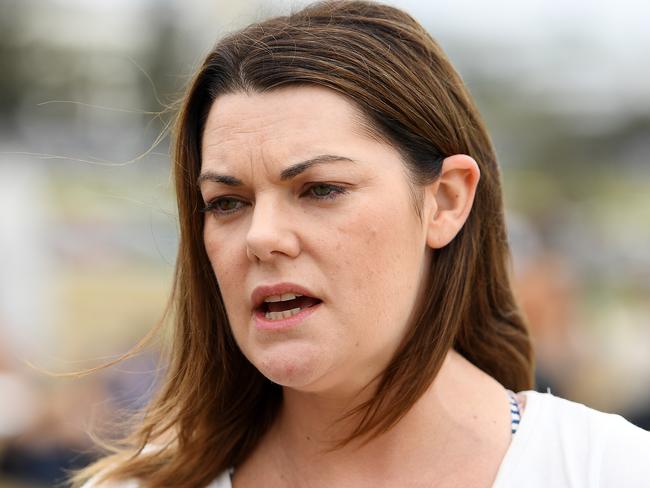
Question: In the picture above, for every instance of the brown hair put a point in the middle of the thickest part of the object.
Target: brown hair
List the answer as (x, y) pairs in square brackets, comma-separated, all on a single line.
[(215, 406)]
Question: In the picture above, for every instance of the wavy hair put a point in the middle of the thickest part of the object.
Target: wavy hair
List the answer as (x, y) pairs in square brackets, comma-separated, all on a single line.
[(214, 406)]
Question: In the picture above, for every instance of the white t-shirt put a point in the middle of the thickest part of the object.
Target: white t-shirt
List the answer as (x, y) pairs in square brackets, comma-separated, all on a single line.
[(563, 444)]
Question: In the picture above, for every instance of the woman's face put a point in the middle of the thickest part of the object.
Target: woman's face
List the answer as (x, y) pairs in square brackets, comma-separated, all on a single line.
[(301, 202)]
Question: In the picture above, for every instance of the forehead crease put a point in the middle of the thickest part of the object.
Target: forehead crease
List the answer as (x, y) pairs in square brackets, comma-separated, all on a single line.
[(256, 114), (258, 132), (225, 136), (246, 136), (249, 163), (247, 114)]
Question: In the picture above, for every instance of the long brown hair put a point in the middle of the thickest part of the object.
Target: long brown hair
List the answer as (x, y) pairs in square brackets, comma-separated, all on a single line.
[(214, 405)]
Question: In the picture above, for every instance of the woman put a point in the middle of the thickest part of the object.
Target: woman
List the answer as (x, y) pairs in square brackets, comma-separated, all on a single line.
[(342, 306)]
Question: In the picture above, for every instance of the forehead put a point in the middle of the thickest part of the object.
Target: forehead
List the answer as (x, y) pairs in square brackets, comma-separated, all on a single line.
[(286, 120)]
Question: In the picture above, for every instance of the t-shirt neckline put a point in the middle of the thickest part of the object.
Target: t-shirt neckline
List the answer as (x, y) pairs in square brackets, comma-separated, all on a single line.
[(521, 438)]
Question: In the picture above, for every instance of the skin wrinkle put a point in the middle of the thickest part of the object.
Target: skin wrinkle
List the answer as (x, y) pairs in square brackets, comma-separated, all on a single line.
[(361, 126), (288, 173)]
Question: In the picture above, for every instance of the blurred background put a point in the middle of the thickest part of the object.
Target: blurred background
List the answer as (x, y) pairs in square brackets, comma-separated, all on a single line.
[(87, 218)]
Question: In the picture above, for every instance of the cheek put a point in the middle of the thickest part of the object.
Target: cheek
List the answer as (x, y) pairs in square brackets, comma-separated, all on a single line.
[(214, 250), (224, 256), (377, 256)]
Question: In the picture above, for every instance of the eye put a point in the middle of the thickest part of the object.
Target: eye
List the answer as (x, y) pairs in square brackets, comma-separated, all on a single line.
[(323, 191), (223, 205)]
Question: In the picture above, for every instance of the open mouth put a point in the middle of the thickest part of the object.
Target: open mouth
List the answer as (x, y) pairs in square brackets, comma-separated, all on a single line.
[(286, 305)]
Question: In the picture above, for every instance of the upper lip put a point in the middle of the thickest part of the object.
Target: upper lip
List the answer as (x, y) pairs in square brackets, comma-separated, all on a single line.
[(264, 291)]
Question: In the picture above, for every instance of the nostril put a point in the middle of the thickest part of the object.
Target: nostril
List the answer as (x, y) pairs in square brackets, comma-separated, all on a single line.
[(250, 253)]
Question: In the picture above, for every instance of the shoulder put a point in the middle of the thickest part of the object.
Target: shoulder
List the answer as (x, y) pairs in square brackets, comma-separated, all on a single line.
[(565, 443), (617, 452), (568, 416), (626, 455)]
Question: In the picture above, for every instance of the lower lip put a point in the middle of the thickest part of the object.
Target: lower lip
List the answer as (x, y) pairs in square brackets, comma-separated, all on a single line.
[(262, 323)]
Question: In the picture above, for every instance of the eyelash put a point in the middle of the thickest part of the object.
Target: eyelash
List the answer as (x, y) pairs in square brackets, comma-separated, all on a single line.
[(212, 206)]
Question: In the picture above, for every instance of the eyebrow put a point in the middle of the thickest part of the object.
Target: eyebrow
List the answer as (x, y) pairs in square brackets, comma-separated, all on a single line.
[(286, 174)]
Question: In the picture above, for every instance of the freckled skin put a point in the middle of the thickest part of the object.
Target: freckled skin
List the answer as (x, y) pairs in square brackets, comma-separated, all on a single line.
[(363, 252)]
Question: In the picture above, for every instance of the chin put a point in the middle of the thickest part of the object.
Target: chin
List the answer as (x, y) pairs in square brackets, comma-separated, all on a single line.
[(291, 365)]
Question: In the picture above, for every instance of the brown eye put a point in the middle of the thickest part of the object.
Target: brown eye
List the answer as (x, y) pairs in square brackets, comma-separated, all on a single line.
[(322, 191), (223, 205), (226, 204)]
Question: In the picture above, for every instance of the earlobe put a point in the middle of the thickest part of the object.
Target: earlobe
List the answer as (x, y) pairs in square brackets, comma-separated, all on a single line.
[(451, 198)]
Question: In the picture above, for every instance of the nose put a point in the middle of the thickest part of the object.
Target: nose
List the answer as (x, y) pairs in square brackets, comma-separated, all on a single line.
[(271, 233)]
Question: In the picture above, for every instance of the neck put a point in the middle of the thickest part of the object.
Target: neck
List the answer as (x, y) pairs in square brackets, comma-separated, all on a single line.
[(439, 426), (320, 420)]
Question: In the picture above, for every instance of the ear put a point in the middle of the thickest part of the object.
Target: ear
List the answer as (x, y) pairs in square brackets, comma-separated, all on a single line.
[(449, 199)]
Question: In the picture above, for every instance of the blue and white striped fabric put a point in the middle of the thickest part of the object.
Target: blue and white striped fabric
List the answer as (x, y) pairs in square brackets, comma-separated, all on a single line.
[(515, 414)]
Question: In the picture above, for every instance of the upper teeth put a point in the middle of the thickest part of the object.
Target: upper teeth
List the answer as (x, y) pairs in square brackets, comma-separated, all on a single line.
[(282, 298)]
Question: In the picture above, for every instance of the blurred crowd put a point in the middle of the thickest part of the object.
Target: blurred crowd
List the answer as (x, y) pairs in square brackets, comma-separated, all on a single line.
[(47, 425)]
